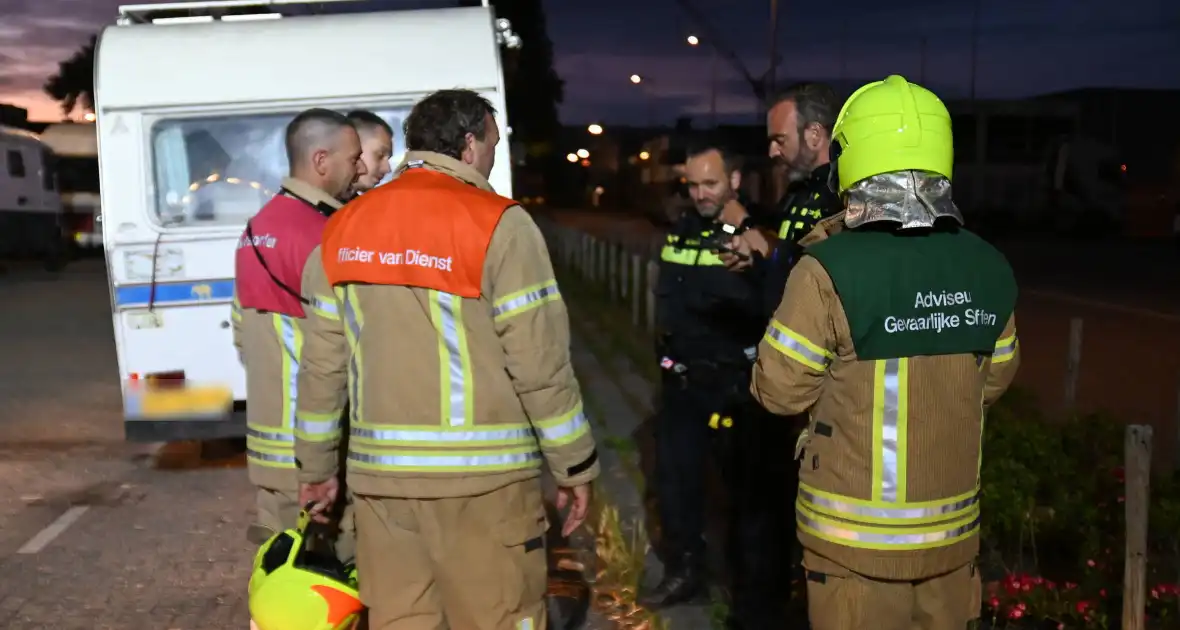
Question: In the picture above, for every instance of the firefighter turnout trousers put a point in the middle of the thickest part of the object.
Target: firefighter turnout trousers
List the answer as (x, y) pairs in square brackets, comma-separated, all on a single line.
[(467, 563)]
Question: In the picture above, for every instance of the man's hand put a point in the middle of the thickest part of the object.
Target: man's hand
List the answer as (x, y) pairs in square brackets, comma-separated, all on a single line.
[(733, 213), (746, 244), (322, 494), (578, 510)]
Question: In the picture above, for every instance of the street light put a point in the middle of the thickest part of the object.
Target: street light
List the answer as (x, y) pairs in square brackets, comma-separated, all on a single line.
[(693, 40), (571, 158), (583, 153), (594, 129), (643, 155), (636, 79)]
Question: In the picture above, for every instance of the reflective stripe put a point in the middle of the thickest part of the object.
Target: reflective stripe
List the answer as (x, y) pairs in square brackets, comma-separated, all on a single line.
[(291, 339), (856, 510), (890, 401), (271, 458), (446, 462), (526, 299), (316, 427), (1005, 349), (797, 347), (270, 435), (689, 256), (415, 436), (563, 429), (887, 538), (454, 364), (326, 307), (353, 324)]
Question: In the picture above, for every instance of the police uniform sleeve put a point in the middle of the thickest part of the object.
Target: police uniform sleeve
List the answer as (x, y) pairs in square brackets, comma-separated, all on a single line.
[(323, 377), (799, 343), (1004, 363), (532, 324)]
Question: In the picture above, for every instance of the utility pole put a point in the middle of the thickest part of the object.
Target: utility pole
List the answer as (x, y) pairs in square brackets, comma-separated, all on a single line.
[(713, 89)]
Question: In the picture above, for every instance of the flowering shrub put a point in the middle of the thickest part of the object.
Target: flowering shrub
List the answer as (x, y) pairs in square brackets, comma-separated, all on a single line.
[(1053, 527)]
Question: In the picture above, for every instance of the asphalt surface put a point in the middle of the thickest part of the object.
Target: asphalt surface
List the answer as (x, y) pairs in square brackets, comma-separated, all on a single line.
[(96, 533), (1126, 294)]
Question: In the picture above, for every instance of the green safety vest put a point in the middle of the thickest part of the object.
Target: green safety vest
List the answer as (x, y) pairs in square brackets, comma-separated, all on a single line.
[(914, 295)]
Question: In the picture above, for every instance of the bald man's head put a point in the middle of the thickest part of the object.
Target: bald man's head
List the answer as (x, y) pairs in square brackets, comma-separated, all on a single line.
[(324, 150)]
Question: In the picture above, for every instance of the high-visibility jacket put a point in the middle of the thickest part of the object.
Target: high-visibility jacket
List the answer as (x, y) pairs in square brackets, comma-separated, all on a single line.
[(703, 310), (448, 340), (267, 320), (895, 348)]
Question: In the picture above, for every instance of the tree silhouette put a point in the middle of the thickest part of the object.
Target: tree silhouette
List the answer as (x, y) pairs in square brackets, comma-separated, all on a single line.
[(73, 85), (533, 88)]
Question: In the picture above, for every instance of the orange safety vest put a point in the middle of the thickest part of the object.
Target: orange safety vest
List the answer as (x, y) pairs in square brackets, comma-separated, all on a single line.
[(424, 229)]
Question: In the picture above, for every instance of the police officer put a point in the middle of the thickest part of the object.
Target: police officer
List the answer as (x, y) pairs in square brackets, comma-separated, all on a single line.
[(895, 333), (799, 129), (708, 322)]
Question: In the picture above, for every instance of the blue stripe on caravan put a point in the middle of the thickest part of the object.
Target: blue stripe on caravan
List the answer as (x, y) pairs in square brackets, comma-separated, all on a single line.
[(200, 291)]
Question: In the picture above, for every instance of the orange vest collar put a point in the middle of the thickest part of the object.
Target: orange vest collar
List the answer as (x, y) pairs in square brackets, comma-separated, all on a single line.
[(424, 229)]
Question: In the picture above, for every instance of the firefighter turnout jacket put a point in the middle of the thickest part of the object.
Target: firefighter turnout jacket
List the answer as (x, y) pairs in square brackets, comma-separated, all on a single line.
[(444, 334), (268, 313), (704, 311), (896, 343)]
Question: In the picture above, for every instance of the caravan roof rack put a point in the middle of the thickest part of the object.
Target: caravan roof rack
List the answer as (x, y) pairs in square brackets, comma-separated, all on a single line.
[(227, 10)]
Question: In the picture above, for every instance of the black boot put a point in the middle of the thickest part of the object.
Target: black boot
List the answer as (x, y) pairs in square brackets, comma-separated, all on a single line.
[(682, 583)]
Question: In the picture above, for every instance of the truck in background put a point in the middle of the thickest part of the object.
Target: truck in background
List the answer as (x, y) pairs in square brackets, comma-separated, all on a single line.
[(75, 153)]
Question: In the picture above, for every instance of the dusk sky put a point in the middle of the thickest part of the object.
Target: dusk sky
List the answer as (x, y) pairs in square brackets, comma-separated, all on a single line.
[(1027, 47)]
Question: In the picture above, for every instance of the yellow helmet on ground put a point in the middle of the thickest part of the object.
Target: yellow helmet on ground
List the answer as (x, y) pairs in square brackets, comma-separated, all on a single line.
[(891, 125), (299, 585)]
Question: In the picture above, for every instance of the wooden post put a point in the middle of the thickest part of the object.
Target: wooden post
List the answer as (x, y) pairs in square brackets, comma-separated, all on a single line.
[(653, 272), (637, 290), (583, 254), (1137, 476), (1073, 362), (1176, 454)]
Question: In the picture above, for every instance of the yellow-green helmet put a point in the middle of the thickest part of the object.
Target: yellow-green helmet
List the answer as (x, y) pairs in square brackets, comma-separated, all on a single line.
[(891, 125), (295, 586)]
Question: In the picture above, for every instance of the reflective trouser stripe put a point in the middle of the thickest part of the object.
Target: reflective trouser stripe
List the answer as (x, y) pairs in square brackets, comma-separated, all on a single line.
[(440, 462), (890, 413), (454, 362), (887, 538)]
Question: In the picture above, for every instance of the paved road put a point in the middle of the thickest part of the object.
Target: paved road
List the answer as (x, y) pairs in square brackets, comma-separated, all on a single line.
[(1126, 294), (144, 538)]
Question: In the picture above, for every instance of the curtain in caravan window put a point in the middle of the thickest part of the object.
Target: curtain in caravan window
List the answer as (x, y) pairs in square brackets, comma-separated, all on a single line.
[(172, 174)]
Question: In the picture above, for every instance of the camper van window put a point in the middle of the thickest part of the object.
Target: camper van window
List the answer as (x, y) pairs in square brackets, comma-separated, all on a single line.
[(220, 171), (16, 163)]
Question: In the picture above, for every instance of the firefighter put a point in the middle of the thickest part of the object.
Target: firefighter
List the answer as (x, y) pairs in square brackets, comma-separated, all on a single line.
[(376, 148), (271, 302), (708, 322), (446, 336), (895, 333)]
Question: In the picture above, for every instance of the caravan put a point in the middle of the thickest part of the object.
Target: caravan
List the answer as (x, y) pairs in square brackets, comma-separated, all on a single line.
[(75, 153), (30, 206), (192, 101)]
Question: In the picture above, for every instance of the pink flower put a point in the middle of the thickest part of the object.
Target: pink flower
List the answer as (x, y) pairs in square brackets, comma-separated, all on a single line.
[(1083, 606), (1155, 594), (1090, 563), (1102, 592), (1015, 613), (1069, 586), (994, 602)]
